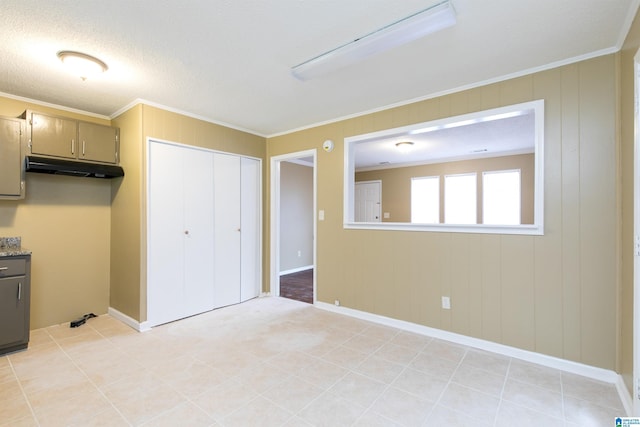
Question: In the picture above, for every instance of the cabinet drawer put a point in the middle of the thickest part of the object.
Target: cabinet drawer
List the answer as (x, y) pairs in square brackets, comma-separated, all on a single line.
[(13, 267)]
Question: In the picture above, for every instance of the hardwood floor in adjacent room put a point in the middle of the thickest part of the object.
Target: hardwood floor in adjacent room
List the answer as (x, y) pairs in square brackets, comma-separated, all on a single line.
[(298, 286)]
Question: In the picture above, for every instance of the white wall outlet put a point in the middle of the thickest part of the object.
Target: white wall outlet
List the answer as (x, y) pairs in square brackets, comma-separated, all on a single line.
[(386, 215), (299, 254), (446, 303), (321, 215), (337, 302)]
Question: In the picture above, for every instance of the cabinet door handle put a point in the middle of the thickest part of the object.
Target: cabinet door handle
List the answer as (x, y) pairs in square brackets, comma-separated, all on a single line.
[(73, 143), (83, 144), (19, 291), (4, 268)]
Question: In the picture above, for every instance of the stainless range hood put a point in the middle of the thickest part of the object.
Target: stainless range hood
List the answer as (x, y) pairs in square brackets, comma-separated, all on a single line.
[(71, 168)]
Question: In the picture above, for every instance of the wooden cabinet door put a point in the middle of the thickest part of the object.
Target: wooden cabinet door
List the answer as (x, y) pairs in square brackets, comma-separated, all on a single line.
[(12, 311), (97, 143), (53, 136), (11, 167)]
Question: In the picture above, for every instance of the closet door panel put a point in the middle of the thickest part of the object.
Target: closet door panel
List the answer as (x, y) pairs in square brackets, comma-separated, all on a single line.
[(165, 265), (226, 170), (250, 229), (198, 230)]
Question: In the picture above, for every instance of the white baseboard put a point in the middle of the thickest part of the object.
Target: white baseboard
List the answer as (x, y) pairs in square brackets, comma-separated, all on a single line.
[(138, 326), (592, 372), (625, 396), (296, 270)]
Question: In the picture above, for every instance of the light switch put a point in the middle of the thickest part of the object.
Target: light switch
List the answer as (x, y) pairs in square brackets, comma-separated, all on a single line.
[(321, 215)]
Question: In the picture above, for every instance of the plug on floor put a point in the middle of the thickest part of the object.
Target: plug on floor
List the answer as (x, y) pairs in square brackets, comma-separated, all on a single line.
[(81, 321)]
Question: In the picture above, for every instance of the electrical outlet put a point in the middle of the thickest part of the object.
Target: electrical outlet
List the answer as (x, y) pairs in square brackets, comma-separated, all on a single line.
[(299, 254), (446, 303), (337, 302)]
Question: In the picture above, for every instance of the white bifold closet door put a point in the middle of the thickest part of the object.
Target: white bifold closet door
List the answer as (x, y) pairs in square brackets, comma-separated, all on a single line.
[(180, 229), (236, 230), (250, 208)]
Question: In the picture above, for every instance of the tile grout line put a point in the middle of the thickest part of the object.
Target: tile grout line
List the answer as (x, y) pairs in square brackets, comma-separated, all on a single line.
[(24, 394), (449, 381), (89, 379), (504, 386)]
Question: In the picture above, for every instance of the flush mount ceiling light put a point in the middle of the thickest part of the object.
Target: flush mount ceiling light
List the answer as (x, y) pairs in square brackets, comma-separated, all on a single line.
[(435, 18), (82, 64), (404, 146)]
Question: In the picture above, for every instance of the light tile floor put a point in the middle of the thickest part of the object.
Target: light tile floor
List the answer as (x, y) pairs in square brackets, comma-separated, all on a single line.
[(278, 362)]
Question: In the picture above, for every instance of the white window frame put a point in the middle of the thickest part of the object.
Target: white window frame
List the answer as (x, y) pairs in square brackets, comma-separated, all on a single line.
[(537, 228)]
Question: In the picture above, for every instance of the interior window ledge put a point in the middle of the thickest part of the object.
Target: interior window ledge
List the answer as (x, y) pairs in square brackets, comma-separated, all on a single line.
[(531, 229)]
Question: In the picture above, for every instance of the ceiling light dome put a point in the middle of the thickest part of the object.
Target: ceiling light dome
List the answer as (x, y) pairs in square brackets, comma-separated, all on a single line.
[(404, 146), (82, 64)]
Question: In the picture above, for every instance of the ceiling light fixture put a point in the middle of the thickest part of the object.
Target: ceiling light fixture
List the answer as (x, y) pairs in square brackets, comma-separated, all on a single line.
[(435, 18), (404, 146), (82, 64)]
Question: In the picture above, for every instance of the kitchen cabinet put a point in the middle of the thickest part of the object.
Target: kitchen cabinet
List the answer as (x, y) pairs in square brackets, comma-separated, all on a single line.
[(15, 291), (62, 137), (202, 252), (11, 158)]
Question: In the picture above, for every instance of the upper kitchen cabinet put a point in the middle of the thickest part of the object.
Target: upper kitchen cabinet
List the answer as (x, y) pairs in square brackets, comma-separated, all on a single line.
[(62, 137), (11, 154), (98, 143)]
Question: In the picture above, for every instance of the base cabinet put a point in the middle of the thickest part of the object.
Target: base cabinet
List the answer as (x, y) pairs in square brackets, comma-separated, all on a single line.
[(15, 294)]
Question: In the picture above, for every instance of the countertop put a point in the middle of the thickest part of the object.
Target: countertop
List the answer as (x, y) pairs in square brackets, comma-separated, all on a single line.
[(14, 252), (11, 246)]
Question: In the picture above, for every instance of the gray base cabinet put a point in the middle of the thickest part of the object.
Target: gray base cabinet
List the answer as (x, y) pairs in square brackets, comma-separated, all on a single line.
[(15, 294)]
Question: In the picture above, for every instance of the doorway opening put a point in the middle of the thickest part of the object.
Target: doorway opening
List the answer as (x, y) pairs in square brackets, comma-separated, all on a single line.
[(293, 226)]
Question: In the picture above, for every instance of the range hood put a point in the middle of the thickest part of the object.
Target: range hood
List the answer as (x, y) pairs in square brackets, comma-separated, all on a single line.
[(71, 168)]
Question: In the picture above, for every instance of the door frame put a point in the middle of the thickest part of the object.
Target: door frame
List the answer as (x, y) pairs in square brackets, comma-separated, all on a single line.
[(636, 237), (275, 161)]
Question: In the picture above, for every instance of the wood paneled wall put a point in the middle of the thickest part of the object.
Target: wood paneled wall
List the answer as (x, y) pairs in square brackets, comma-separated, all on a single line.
[(555, 294)]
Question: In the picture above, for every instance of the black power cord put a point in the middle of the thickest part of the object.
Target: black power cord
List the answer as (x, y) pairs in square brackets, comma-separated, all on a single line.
[(81, 321)]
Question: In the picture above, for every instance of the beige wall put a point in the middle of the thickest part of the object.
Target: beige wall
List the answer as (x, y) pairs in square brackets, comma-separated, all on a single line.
[(128, 237), (65, 222), (555, 294), (126, 218), (625, 296), (396, 183), (296, 216)]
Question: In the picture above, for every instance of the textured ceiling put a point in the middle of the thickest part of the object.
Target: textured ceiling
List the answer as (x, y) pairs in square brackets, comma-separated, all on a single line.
[(229, 61)]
